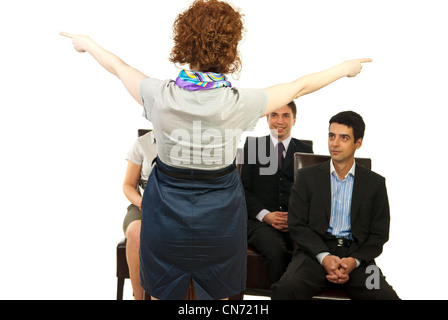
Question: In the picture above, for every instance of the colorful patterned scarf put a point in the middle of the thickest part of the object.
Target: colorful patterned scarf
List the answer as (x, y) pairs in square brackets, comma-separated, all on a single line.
[(195, 80)]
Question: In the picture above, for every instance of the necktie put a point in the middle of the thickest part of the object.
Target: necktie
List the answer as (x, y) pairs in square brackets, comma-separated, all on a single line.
[(280, 149)]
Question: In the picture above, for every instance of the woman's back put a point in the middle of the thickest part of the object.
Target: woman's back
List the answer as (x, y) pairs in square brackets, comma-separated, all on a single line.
[(199, 129)]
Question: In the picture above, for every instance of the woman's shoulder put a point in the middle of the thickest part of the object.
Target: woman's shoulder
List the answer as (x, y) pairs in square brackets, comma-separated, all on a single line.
[(155, 82)]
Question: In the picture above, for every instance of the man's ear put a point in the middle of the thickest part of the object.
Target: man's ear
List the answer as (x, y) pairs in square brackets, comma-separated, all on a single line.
[(358, 143)]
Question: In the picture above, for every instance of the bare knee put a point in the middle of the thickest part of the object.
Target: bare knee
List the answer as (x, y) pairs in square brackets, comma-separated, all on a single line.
[(133, 234)]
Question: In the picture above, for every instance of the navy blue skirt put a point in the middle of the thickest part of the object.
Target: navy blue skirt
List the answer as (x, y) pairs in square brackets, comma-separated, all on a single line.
[(193, 229)]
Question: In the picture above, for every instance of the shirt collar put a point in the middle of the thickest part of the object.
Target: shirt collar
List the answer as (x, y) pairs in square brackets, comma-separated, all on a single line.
[(285, 142), (351, 171)]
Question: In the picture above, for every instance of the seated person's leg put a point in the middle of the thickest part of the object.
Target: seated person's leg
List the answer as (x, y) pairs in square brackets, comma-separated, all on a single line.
[(369, 285), (132, 226), (273, 245), (303, 279)]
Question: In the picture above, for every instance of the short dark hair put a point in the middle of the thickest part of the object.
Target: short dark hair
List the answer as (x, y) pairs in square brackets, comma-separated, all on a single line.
[(293, 107), (352, 120)]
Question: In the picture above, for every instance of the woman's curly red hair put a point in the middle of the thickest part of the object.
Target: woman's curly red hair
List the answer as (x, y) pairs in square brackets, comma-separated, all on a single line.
[(206, 37)]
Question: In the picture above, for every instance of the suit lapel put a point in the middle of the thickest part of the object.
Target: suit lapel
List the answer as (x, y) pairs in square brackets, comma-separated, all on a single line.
[(325, 186), (361, 179), (289, 158)]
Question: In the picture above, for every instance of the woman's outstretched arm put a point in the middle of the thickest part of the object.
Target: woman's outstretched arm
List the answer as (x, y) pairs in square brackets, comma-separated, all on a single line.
[(130, 77), (281, 94)]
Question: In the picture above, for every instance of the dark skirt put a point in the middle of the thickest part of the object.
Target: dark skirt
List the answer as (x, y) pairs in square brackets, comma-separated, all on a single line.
[(193, 229)]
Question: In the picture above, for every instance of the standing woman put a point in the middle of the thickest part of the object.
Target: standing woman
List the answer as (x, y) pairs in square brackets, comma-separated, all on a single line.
[(194, 212)]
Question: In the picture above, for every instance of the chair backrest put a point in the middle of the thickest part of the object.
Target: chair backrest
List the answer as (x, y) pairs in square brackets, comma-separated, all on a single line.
[(310, 142), (302, 160), (143, 131)]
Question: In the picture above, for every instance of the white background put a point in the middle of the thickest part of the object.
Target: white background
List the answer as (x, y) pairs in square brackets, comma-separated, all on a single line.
[(66, 125)]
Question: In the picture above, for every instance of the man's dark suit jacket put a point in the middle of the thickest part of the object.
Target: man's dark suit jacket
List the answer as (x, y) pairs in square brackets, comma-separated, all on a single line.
[(269, 192), (310, 209)]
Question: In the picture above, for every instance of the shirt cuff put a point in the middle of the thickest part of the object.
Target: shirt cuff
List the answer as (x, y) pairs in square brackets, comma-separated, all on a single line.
[(261, 214), (320, 257)]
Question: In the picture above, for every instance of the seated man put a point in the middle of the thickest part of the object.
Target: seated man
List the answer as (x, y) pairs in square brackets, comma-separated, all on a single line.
[(267, 193), (339, 217)]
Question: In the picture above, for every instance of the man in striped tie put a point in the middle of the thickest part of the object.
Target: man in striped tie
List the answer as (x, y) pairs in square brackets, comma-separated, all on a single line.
[(339, 217)]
